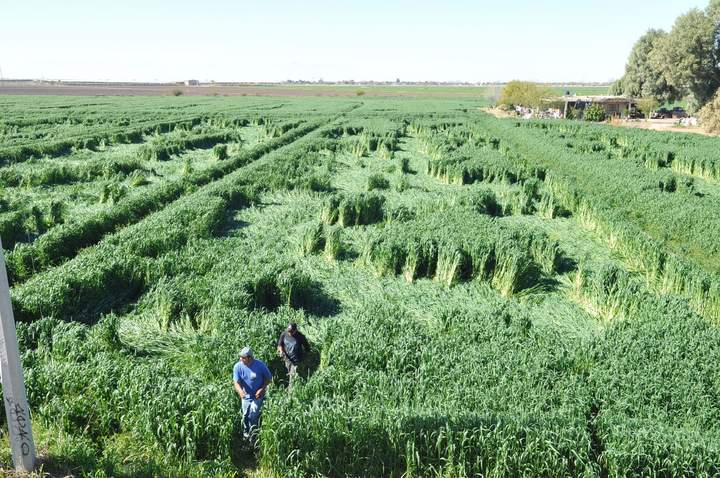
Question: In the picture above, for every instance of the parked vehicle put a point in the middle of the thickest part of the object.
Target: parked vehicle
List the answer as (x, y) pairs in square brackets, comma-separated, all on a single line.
[(678, 112), (662, 113)]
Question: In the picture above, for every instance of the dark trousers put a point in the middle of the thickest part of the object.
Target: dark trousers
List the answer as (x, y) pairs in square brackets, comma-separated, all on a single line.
[(292, 370)]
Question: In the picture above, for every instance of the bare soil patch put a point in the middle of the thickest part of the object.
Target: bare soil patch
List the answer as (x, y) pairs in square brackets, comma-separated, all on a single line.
[(662, 125), (498, 113), (669, 125)]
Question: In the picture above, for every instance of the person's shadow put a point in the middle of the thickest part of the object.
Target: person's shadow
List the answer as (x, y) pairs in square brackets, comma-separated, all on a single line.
[(242, 452)]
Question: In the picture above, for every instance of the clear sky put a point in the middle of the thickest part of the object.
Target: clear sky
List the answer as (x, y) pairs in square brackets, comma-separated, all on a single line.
[(277, 40)]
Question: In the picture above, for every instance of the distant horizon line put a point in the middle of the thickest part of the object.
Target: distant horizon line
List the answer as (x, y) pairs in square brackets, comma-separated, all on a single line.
[(301, 82)]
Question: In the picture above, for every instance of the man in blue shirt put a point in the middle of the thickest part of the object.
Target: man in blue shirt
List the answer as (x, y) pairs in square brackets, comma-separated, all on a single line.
[(251, 378)]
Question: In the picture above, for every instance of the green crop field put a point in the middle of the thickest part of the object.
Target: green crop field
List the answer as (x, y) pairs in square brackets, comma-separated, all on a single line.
[(484, 297), (413, 90)]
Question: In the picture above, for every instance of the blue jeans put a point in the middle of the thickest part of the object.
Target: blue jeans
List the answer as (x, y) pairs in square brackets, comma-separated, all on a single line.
[(251, 410)]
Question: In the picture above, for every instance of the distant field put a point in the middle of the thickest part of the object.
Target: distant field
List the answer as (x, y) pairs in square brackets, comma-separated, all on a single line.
[(582, 90), (28, 88)]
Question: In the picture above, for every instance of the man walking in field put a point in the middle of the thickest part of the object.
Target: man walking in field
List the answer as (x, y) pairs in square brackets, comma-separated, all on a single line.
[(292, 346), (251, 378)]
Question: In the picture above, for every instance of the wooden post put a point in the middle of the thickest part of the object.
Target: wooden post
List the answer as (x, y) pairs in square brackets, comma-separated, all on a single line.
[(13, 384)]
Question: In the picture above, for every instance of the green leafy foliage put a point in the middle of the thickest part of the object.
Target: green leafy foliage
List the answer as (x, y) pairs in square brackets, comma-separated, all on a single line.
[(709, 115), (670, 65), (524, 93), (530, 298), (595, 112)]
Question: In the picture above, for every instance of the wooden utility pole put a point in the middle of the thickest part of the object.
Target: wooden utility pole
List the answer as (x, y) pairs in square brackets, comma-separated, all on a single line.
[(13, 384)]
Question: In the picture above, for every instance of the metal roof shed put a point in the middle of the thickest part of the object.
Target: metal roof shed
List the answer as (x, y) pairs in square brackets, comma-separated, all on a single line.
[(613, 105)]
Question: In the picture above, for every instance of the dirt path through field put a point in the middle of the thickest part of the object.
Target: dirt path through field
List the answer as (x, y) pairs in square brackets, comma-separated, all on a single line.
[(670, 125), (667, 125)]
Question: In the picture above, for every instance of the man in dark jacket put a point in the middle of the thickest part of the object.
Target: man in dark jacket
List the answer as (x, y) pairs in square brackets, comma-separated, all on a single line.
[(293, 347)]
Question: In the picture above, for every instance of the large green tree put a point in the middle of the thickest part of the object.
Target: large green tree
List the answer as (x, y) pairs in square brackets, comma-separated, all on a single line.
[(524, 93), (668, 66), (642, 77), (713, 10), (689, 56)]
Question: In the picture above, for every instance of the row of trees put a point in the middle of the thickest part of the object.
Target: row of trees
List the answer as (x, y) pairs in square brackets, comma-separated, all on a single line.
[(682, 63)]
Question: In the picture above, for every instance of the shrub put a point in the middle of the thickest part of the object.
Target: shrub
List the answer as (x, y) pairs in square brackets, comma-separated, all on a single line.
[(709, 115), (594, 112), (647, 105)]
